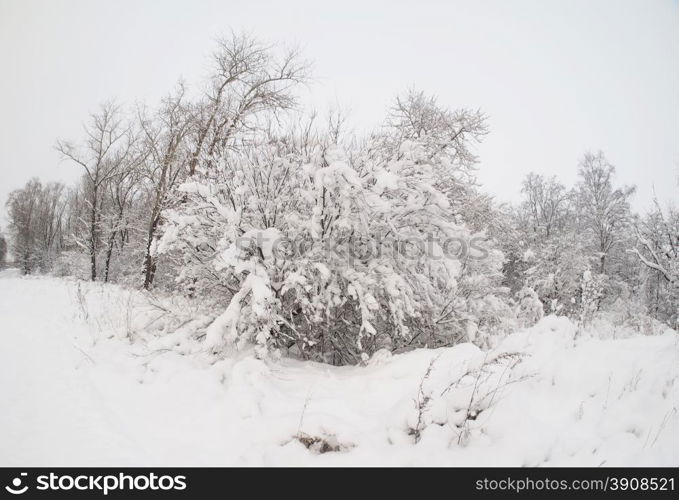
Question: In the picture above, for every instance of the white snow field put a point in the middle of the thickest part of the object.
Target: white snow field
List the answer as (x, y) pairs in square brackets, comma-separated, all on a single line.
[(89, 376)]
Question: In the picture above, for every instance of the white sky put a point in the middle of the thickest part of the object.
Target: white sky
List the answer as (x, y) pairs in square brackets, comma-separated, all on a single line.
[(555, 78)]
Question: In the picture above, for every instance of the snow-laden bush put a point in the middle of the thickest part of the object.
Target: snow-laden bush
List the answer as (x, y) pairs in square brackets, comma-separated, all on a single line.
[(591, 291), (71, 263), (529, 308), (554, 268), (334, 254)]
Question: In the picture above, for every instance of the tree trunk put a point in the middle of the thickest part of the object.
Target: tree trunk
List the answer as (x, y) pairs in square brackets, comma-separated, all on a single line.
[(109, 253), (149, 260), (93, 236), (26, 266), (111, 243)]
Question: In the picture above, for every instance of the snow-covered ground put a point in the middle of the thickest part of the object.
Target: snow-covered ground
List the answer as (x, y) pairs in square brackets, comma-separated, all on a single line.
[(89, 376)]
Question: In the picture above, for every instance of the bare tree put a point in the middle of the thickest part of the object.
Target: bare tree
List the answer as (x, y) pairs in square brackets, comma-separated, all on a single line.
[(35, 223), (545, 204), (3, 250), (164, 138), (51, 208), (107, 148), (121, 193), (248, 78), (21, 211)]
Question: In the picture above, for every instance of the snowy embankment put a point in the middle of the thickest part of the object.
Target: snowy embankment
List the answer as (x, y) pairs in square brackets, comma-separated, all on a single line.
[(89, 376)]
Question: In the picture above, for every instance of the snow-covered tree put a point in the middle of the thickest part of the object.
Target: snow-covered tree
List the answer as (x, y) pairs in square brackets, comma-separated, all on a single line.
[(591, 292), (545, 251), (3, 250), (447, 138), (603, 209), (546, 206), (107, 150), (529, 307), (119, 215), (657, 248), (35, 215), (563, 234)]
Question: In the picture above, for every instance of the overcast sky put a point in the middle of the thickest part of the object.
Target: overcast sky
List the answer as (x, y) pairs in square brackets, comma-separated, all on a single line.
[(555, 78)]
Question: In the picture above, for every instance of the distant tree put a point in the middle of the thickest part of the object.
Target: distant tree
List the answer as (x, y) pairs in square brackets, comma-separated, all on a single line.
[(603, 209), (544, 252), (35, 224), (21, 212), (3, 250), (106, 151), (657, 248), (122, 191), (545, 206)]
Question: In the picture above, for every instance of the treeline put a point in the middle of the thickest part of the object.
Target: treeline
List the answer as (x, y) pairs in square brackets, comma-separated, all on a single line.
[(561, 233), (169, 194), (133, 161)]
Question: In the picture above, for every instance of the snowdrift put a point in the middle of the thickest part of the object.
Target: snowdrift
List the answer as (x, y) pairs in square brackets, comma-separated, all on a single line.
[(95, 374)]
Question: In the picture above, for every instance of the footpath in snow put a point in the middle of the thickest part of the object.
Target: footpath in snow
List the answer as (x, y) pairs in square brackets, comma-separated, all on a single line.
[(89, 378)]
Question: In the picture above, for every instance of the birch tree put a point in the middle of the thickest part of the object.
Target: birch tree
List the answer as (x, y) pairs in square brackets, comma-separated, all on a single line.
[(604, 209)]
